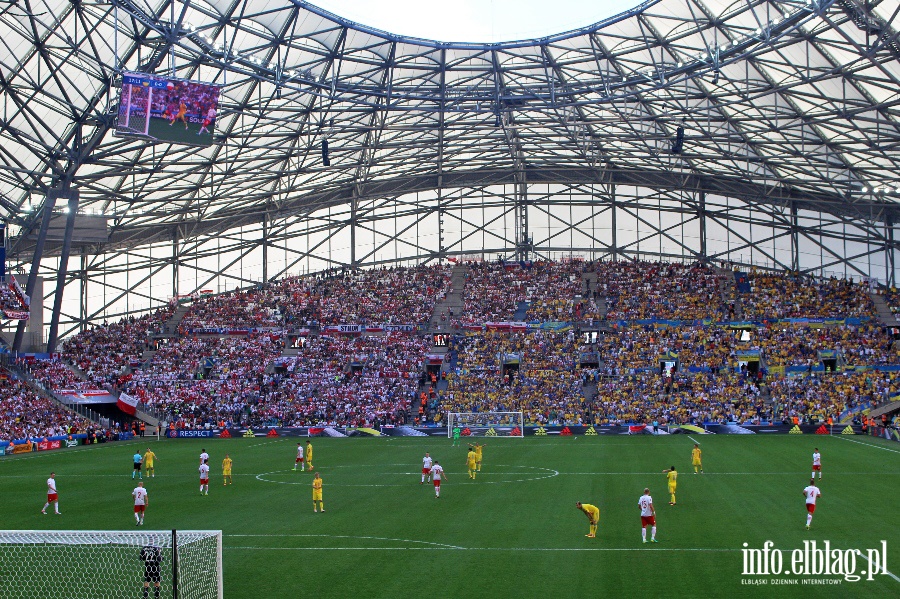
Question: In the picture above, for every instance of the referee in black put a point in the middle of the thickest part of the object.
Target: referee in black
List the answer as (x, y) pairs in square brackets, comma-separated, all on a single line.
[(151, 555)]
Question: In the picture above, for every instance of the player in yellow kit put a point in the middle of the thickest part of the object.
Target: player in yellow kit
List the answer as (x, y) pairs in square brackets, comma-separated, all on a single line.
[(309, 465), (226, 471), (471, 463), (593, 515), (317, 493), (477, 447), (149, 458), (673, 477), (182, 111), (695, 459)]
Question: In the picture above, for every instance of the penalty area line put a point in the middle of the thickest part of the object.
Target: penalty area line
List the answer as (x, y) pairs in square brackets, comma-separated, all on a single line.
[(357, 537), (891, 574), (872, 445)]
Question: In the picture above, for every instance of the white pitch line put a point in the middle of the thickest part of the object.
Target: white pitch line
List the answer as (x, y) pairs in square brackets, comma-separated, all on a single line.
[(265, 443), (694, 440), (544, 472), (442, 545), (459, 472), (518, 549), (866, 444), (891, 574), (724, 473)]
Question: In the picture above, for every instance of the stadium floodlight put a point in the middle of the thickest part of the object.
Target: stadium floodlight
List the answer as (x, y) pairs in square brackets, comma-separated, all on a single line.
[(110, 563), (486, 424)]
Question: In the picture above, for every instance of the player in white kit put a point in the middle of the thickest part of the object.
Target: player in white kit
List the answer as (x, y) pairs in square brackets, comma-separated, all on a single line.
[(52, 496), (299, 458), (437, 473), (210, 117), (204, 479), (427, 463), (141, 500), (648, 516), (811, 493), (817, 463), (204, 457)]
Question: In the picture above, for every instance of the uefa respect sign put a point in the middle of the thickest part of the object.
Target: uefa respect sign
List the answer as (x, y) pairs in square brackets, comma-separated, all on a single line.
[(816, 563)]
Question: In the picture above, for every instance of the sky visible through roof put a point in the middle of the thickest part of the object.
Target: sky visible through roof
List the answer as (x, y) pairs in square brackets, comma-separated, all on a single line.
[(476, 20)]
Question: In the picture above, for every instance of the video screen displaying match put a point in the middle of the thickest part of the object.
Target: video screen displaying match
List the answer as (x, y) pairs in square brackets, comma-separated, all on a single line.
[(169, 110)]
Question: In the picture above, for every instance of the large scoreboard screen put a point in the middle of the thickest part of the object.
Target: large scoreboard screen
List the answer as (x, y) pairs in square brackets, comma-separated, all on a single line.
[(166, 109)]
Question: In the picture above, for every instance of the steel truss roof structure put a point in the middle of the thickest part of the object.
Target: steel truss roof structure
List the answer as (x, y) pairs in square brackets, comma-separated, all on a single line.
[(789, 111)]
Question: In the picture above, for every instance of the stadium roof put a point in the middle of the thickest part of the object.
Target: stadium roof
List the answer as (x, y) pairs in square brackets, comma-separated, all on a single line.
[(792, 101)]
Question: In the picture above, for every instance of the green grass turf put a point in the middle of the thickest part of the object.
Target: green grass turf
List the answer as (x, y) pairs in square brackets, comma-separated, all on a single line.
[(161, 130), (513, 531)]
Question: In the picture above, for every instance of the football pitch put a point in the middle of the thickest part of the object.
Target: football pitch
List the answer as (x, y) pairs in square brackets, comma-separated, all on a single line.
[(514, 531), (177, 133)]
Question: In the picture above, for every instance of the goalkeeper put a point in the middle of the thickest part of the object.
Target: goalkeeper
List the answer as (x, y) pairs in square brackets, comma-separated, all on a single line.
[(151, 555)]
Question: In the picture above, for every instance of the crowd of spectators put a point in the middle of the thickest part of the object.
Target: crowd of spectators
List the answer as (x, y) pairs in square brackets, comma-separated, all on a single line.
[(640, 290), (531, 372), (54, 375), (630, 349), (398, 295), (105, 353), (681, 398), (244, 381), (25, 414), (200, 380), (784, 295), (197, 98), (10, 299), (349, 381), (554, 291), (816, 397), (627, 350), (195, 378), (793, 345), (892, 297)]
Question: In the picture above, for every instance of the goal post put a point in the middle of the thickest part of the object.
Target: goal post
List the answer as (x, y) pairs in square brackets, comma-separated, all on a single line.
[(110, 563), (486, 424)]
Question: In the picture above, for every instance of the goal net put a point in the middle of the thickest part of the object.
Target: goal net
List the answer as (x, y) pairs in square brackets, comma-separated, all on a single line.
[(485, 424), (110, 564), (134, 109)]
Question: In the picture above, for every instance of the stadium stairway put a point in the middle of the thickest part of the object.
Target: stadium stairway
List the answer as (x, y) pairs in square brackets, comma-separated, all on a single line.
[(729, 291), (589, 390), (590, 281), (453, 300), (521, 312), (883, 311), (174, 321)]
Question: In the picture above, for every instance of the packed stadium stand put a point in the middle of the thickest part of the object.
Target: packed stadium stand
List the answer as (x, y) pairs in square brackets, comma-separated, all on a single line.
[(669, 351), (27, 414)]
